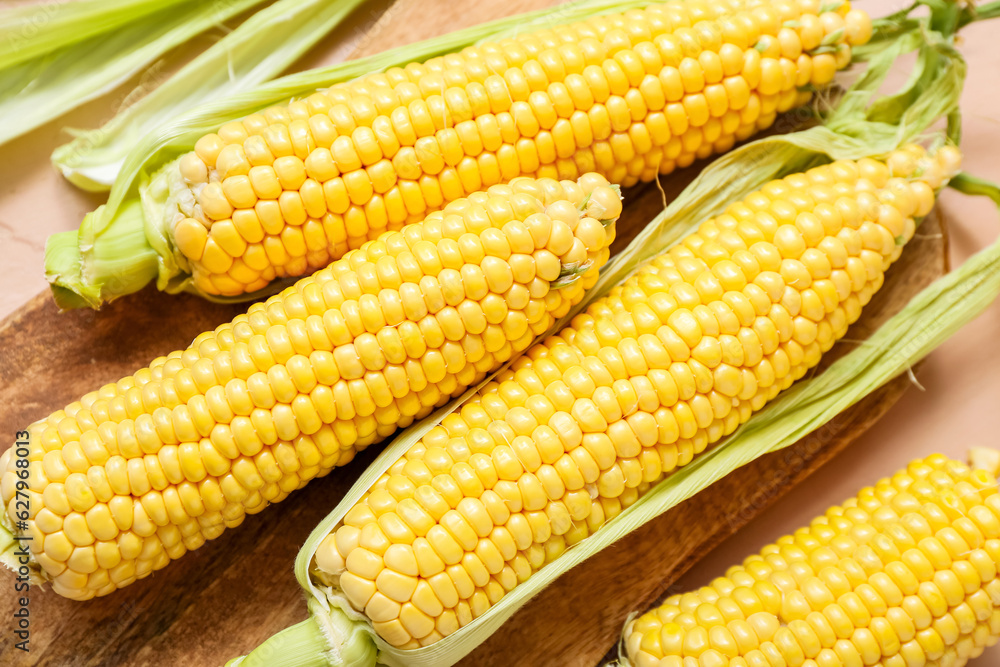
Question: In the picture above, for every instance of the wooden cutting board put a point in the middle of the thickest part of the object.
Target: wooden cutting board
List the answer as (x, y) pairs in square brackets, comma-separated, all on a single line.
[(233, 593)]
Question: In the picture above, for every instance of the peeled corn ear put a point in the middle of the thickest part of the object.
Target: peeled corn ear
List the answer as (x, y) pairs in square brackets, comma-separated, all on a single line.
[(903, 574), (587, 421), (143, 470), (282, 192)]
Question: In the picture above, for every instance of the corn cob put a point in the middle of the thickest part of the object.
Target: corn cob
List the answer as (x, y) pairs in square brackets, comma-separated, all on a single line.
[(284, 191), (903, 574), (645, 379), (141, 471)]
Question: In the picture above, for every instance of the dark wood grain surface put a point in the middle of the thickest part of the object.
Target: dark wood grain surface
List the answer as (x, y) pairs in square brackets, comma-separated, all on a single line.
[(230, 595)]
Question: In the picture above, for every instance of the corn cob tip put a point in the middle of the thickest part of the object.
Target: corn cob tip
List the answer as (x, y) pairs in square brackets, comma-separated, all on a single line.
[(914, 163), (857, 27), (985, 458)]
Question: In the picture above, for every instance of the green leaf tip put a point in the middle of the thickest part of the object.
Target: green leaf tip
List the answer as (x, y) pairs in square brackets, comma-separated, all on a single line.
[(971, 185), (80, 50), (328, 638)]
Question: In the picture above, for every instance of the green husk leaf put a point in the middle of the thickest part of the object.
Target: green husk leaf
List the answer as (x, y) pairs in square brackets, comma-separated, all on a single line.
[(34, 30), (259, 49), (928, 319), (39, 89)]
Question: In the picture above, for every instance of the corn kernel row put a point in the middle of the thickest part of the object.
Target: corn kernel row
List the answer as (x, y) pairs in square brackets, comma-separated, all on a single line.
[(143, 470), (672, 360), (282, 192), (903, 574)]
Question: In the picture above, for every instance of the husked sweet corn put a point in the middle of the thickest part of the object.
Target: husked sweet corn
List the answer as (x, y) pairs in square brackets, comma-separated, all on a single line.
[(904, 574), (143, 470), (583, 424), (282, 192)]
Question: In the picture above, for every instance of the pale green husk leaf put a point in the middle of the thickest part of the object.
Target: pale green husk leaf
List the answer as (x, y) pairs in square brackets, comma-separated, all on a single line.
[(34, 30), (928, 319), (80, 55), (259, 49)]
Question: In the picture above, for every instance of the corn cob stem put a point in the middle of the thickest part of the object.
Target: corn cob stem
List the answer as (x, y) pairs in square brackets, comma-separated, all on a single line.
[(122, 263), (308, 644)]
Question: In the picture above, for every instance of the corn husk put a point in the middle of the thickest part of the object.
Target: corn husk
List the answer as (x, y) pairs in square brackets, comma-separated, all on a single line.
[(34, 30), (259, 49), (54, 57), (335, 634)]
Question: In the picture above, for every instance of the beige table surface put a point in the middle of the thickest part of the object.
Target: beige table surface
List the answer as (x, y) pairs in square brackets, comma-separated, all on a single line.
[(956, 405)]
